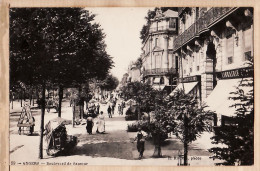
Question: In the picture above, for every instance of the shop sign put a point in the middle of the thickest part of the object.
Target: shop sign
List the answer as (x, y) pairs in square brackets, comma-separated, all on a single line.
[(237, 73), (190, 79)]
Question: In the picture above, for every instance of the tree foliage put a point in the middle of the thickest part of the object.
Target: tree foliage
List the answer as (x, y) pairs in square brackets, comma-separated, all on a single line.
[(109, 83), (238, 137), (61, 46)]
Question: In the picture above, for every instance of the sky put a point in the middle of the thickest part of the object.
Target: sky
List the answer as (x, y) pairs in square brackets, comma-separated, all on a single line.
[(122, 27)]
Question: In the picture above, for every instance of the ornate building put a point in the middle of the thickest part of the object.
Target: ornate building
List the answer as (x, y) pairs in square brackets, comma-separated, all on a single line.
[(213, 47), (159, 64)]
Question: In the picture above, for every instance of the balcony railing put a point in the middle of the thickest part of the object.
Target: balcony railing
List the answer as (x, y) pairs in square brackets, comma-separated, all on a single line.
[(159, 71), (161, 28), (202, 24)]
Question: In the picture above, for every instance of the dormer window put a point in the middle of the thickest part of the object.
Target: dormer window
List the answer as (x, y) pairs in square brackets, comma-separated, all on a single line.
[(172, 23)]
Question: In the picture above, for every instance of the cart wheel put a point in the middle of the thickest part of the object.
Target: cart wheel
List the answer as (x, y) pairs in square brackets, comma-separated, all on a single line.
[(19, 131)]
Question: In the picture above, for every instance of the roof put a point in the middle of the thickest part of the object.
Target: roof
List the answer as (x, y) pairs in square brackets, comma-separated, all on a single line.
[(170, 13)]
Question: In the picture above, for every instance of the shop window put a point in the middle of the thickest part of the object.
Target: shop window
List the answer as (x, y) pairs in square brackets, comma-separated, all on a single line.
[(230, 60)]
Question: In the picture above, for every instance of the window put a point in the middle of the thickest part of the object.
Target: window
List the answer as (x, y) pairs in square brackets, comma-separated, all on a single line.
[(230, 49), (156, 41), (230, 60), (248, 56), (198, 68), (172, 23), (184, 71), (247, 34), (158, 61), (190, 70)]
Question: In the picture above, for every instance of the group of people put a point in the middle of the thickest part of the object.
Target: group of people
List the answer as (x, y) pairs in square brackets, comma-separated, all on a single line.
[(100, 123)]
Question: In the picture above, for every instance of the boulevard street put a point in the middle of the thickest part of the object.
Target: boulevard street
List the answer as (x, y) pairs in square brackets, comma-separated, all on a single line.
[(114, 147)]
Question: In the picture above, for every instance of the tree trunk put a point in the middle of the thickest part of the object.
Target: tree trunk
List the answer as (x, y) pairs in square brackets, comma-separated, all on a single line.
[(139, 112), (21, 98), (37, 95), (60, 99), (42, 121), (12, 101), (185, 140), (185, 153), (30, 97), (157, 146), (80, 103)]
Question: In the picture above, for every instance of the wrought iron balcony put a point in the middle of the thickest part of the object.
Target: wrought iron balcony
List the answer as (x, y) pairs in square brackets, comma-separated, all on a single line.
[(201, 25), (159, 71)]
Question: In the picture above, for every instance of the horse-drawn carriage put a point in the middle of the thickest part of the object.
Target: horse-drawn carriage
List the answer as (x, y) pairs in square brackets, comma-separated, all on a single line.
[(56, 137), (26, 121)]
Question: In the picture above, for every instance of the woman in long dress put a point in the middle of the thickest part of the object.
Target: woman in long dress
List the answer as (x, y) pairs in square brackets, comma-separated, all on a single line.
[(101, 123), (90, 124)]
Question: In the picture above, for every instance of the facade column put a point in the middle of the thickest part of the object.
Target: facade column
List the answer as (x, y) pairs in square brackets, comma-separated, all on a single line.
[(165, 60)]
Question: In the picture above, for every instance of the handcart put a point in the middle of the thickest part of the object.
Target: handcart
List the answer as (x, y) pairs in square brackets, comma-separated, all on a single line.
[(26, 121), (56, 137)]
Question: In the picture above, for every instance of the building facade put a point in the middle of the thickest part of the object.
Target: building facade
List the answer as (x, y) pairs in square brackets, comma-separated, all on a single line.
[(214, 47), (159, 66)]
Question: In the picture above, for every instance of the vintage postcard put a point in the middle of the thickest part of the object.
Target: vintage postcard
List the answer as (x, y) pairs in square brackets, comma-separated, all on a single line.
[(130, 86)]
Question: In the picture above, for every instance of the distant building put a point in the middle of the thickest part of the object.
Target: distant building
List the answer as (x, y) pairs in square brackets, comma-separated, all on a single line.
[(124, 79), (213, 48), (159, 64)]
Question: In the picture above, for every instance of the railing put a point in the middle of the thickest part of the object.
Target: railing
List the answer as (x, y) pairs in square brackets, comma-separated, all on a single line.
[(202, 24), (159, 71)]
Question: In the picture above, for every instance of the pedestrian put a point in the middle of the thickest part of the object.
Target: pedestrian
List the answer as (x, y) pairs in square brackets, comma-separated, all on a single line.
[(140, 142), (101, 123), (113, 108), (98, 107), (109, 111), (90, 124)]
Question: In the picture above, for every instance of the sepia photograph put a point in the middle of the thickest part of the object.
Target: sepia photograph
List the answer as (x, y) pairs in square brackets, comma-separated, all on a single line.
[(146, 86)]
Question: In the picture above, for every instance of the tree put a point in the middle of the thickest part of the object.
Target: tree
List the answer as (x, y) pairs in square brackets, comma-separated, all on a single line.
[(109, 83), (61, 46), (190, 119), (238, 136)]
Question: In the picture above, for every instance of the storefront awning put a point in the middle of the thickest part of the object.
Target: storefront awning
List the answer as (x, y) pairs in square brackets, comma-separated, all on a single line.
[(187, 87), (156, 81), (158, 87), (219, 100)]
